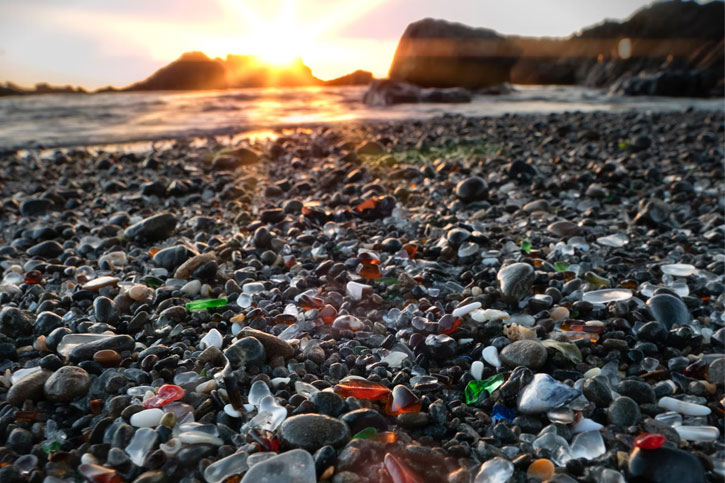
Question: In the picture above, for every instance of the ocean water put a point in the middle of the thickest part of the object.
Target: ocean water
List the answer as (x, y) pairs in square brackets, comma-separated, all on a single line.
[(64, 120)]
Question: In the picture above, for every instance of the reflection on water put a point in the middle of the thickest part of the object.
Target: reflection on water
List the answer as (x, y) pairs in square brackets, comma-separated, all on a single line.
[(67, 119)]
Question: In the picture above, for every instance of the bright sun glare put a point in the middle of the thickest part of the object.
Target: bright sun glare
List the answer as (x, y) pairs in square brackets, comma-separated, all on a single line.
[(285, 38)]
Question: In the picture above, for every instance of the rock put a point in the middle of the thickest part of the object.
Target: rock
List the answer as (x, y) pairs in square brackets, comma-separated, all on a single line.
[(245, 352), (623, 412), (29, 388), (472, 189), (364, 418), (154, 228), (45, 249), (313, 431), (527, 353), (597, 391), (296, 466), (664, 465), (14, 323), (236, 159), (515, 281), (192, 264), (386, 92), (563, 229), (273, 345), (47, 322), (652, 332), (371, 147), (118, 343), (170, 258), (640, 391), (105, 310), (668, 310), (328, 403), (464, 56), (35, 207), (66, 384)]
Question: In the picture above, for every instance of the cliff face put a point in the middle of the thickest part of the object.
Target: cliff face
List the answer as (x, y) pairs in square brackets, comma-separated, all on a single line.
[(668, 48)]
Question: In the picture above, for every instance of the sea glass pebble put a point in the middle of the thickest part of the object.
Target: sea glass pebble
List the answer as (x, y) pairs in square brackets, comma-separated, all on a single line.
[(607, 295), (689, 409), (678, 269)]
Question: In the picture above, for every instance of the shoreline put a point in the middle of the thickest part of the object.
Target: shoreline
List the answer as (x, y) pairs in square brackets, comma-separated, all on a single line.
[(345, 250)]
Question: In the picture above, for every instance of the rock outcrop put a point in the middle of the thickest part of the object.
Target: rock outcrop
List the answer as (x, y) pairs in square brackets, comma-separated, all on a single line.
[(386, 92), (437, 53), (671, 48)]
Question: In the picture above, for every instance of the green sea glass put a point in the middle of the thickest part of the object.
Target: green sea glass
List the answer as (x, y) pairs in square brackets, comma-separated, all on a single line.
[(206, 304), (561, 266), (474, 391), (526, 245), (366, 433), (51, 447)]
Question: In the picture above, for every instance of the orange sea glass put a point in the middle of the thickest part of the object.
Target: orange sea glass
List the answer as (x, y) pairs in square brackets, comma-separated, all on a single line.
[(370, 271), (399, 472), (309, 302), (411, 249), (386, 437), (328, 314), (368, 204), (368, 258), (402, 401), (362, 389), (579, 326)]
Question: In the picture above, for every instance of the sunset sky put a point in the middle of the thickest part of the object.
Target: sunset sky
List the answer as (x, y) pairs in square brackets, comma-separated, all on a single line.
[(96, 43)]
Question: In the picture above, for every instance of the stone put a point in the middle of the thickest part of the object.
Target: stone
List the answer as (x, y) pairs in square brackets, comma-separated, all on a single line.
[(668, 310), (597, 391), (313, 431), (640, 391), (623, 412), (273, 345), (35, 207), (118, 343), (247, 351), (154, 228), (105, 310), (29, 388), (171, 257), (563, 229), (515, 281), (190, 265), (475, 57), (472, 189), (46, 322), (14, 323), (527, 353), (45, 249), (328, 403), (147, 418), (664, 465), (66, 384)]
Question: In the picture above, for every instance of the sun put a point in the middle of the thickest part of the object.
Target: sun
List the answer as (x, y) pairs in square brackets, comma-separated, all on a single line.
[(280, 43)]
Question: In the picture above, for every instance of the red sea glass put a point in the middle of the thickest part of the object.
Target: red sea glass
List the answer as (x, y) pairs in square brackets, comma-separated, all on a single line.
[(33, 277), (368, 204), (402, 401), (289, 260), (649, 441), (448, 324), (399, 472), (167, 393), (411, 249), (362, 389)]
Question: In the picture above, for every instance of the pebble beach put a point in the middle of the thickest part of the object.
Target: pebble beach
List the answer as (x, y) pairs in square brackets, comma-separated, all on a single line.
[(457, 299)]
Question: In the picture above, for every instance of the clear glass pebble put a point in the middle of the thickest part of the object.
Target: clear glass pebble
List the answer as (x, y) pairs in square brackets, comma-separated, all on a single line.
[(588, 445), (495, 470), (616, 240), (607, 295), (220, 470), (678, 269)]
